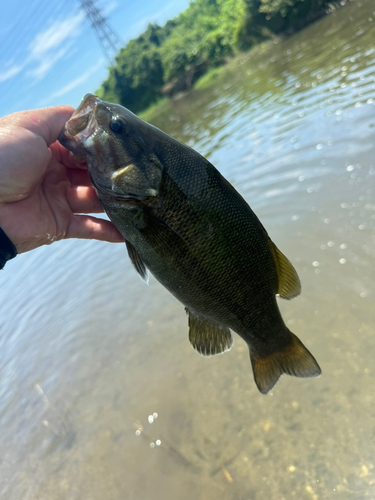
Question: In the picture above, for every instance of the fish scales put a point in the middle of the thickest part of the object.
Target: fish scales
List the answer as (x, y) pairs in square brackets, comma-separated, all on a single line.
[(186, 223)]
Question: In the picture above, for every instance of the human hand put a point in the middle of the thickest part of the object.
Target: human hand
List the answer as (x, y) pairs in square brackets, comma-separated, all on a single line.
[(43, 188)]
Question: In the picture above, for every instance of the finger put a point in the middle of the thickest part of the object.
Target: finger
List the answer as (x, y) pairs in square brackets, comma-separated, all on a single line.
[(46, 123), (86, 227), (83, 200), (78, 161), (76, 170), (79, 177), (66, 157)]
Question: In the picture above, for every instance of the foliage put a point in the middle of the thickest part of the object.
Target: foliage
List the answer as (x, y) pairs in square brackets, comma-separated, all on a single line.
[(136, 78), (168, 59), (284, 15)]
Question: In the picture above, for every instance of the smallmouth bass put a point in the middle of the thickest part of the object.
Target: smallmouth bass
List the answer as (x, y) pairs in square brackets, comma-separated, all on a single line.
[(186, 224)]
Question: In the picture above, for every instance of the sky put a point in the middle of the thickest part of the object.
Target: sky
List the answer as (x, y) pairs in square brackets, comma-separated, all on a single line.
[(50, 54)]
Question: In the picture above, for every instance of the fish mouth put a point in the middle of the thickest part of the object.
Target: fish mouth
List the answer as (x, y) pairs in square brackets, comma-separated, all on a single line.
[(80, 126)]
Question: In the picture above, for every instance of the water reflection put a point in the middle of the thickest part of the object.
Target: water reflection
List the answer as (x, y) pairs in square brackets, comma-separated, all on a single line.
[(293, 128)]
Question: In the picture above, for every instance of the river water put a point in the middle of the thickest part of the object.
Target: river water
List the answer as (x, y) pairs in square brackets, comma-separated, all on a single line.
[(102, 396)]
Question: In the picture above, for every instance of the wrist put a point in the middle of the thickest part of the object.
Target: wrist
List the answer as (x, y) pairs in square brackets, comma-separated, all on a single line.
[(7, 250), (18, 224), (9, 227)]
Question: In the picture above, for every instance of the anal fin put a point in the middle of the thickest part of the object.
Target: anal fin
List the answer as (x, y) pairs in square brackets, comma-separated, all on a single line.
[(208, 338), (137, 261)]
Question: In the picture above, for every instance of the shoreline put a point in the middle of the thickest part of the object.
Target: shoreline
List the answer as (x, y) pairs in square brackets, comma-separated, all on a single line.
[(208, 78)]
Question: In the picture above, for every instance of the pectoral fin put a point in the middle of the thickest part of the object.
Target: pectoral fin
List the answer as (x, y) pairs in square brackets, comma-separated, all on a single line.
[(208, 338), (137, 262), (289, 283)]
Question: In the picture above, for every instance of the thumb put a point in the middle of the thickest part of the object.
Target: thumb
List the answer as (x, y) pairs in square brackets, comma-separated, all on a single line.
[(46, 122)]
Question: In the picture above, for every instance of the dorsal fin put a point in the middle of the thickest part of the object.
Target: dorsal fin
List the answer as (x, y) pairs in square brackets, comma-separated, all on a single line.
[(208, 338), (289, 283), (137, 262)]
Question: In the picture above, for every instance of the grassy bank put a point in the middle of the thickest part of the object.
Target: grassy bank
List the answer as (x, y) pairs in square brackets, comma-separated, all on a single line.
[(192, 49)]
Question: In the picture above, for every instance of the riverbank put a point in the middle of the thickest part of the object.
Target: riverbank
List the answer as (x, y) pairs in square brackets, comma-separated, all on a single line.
[(190, 50), (208, 79)]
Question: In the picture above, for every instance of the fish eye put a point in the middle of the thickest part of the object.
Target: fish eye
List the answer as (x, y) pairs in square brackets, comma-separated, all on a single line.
[(116, 125)]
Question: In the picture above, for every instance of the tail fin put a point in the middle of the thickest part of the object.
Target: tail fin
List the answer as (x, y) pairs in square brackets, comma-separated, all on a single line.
[(294, 359)]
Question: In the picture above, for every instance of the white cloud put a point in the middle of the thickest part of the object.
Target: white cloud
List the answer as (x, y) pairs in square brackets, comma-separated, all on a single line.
[(46, 64), (55, 35), (107, 7), (11, 72), (78, 81), (49, 46)]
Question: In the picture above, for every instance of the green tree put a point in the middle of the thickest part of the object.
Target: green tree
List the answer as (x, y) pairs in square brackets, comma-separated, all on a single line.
[(165, 60), (137, 77)]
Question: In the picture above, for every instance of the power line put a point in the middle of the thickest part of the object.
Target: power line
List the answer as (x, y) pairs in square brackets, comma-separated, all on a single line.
[(26, 23), (17, 46), (17, 42), (43, 12)]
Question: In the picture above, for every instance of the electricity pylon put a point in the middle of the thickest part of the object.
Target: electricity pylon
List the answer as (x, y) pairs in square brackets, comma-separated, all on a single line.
[(108, 38)]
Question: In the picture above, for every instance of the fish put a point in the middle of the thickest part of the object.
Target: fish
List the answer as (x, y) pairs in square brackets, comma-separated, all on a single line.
[(187, 225)]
